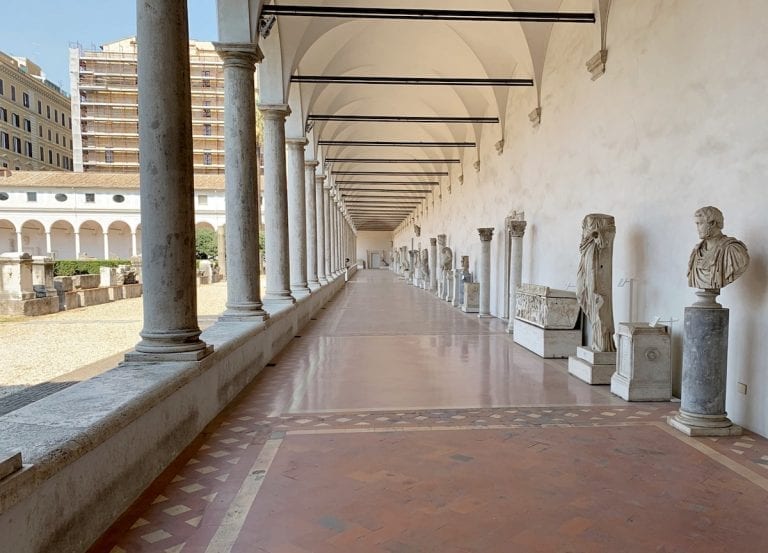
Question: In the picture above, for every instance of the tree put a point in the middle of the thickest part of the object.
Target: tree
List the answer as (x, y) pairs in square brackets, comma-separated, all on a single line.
[(206, 243)]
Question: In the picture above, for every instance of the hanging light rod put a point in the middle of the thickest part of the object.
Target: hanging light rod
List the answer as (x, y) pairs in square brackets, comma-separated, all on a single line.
[(386, 183), (400, 118), (397, 144), (348, 12), (410, 81), (345, 191), (372, 160), (401, 173)]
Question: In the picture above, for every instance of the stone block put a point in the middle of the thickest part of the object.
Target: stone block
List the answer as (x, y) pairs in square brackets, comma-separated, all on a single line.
[(644, 363), (93, 296), (471, 303), (109, 276), (593, 367), (16, 276), (596, 357), (86, 282), (551, 344), (63, 284)]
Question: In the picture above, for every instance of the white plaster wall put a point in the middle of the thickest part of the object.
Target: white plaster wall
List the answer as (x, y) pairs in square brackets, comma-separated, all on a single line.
[(370, 240), (677, 122)]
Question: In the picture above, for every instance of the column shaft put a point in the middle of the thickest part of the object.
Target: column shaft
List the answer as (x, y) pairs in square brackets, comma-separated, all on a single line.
[(297, 217), (167, 183), (276, 207), (242, 183), (485, 271), (106, 245), (311, 207), (517, 230), (433, 264), (327, 231), (322, 274)]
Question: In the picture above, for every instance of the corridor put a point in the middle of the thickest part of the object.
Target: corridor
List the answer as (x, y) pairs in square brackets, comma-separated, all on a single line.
[(396, 423)]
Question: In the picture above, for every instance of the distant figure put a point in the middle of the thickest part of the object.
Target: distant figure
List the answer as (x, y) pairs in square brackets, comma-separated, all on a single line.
[(718, 259)]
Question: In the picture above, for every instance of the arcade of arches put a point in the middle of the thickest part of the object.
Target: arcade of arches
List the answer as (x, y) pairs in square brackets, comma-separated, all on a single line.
[(344, 410)]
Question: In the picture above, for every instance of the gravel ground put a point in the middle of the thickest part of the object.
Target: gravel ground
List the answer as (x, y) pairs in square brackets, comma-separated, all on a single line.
[(39, 349)]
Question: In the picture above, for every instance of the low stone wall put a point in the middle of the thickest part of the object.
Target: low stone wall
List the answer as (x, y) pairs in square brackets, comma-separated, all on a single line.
[(30, 308), (90, 450)]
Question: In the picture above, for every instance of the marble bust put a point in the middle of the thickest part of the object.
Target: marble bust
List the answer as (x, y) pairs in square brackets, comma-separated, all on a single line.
[(446, 260), (718, 259), (594, 280)]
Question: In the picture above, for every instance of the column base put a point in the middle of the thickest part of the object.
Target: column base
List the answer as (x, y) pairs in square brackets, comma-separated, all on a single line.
[(300, 291), (695, 425), (239, 315), (169, 357), (284, 296)]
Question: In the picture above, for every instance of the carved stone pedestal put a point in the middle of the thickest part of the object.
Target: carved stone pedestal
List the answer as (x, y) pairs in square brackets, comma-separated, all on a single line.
[(593, 367), (705, 360), (471, 301), (550, 344), (643, 370)]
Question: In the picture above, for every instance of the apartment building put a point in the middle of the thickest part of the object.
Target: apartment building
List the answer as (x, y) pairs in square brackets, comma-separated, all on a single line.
[(104, 95), (35, 121)]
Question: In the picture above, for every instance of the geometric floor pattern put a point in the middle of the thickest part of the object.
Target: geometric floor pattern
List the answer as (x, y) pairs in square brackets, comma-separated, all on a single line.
[(269, 475)]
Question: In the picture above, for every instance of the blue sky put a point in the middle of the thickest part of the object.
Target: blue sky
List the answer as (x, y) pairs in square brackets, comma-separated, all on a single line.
[(42, 30)]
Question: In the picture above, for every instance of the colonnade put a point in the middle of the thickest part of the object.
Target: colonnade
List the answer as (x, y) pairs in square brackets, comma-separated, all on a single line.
[(308, 237)]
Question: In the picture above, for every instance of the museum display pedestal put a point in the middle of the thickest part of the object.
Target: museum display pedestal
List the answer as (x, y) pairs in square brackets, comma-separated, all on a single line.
[(471, 299), (551, 344), (705, 360), (593, 367), (643, 370)]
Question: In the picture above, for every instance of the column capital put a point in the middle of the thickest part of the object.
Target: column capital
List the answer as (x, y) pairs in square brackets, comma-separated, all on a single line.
[(274, 111), (239, 53), (313, 164), (320, 179), (486, 234), (298, 143), (516, 228)]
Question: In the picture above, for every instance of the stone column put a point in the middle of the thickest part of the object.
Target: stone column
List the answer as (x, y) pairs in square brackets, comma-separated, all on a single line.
[(77, 245), (297, 217), (242, 183), (48, 246), (334, 234), (432, 264), (516, 231), (276, 253), (170, 329), (322, 275), (486, 234), (310, 205), (134, 245), (327, 231), (106, 245)]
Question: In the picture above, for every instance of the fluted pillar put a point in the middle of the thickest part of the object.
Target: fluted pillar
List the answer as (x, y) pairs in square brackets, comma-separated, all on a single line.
[(327, 231), (170, 330), (486, 234), (297, 217), (320, 200), (310, 205), (276, 253), (241, 177), (516, 231)]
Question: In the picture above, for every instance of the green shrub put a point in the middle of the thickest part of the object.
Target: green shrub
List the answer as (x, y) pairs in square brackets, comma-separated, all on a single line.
[(70, 267)]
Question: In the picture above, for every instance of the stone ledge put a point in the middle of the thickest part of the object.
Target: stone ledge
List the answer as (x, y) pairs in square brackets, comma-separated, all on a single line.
[(92, 448)]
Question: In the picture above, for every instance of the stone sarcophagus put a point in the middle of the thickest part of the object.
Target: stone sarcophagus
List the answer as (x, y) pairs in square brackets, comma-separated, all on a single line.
[(547, 307)]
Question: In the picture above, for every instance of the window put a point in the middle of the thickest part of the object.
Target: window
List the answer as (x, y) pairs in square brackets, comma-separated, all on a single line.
[(57, 138), (31, 196), (50, 157), (56, 115), (4, 114), (206, 79), (13, 93), (118, 198), (70, 122), (90, 197), (3, 195), (17, 144), (58, 160), (39, 107), (40, 130), (27, 125), (42, 153), (4, 140), (16, 120), (64, 141), (206, 109), (207, 158), (61, 197), (25, 99), (48, 111), (28, 149), (2, 91), (49, 135), (207, 131), (109, 156), (202, 199)]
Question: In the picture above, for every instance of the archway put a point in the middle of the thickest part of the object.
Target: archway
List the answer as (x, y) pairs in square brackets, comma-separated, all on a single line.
[(33, 238), (7, 236), (91, 240), (119, 234), (63, 240)]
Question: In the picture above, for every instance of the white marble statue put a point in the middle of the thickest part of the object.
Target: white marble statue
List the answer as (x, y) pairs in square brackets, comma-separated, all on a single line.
[(425, 264), (718, 259), (595, 278)]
